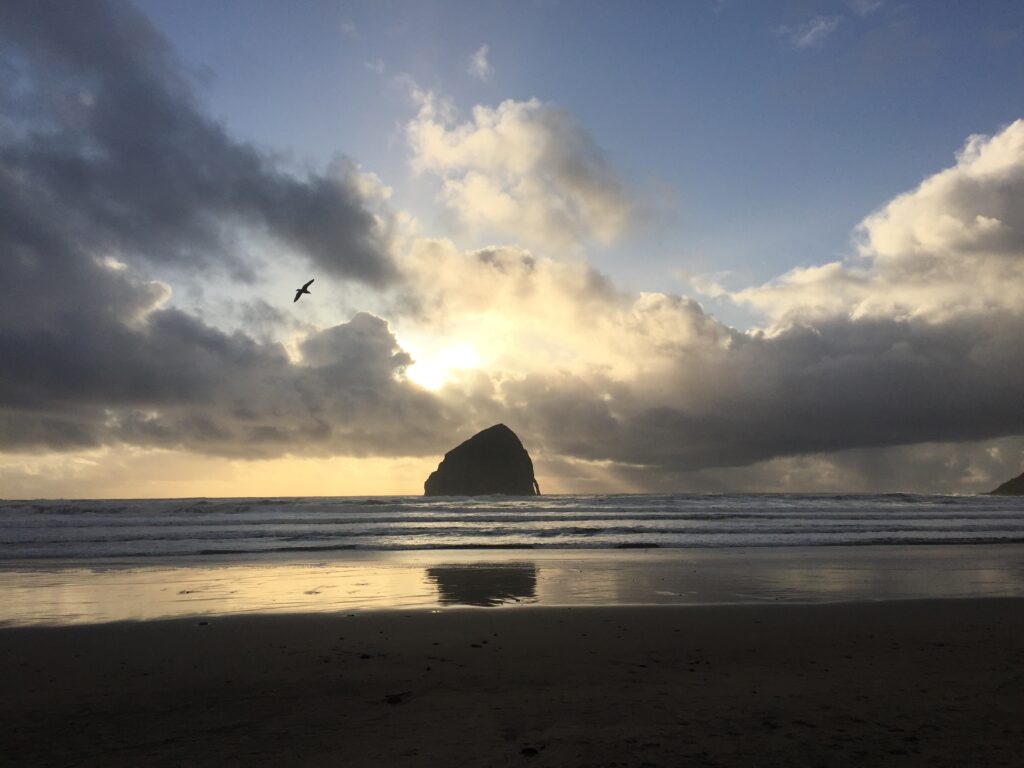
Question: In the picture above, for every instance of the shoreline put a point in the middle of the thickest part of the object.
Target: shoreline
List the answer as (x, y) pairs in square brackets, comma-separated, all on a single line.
[(104, 591), (916, 682), (148, 589)]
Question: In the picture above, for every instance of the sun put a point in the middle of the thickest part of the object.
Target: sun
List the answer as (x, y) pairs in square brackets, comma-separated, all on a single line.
[(432, 371)]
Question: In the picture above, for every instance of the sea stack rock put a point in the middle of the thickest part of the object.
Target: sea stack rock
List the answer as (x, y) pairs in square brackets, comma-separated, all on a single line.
[(492, 461), (1013, 487)]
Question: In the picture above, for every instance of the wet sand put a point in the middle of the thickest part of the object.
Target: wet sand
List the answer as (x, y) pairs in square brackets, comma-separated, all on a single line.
[(937, 682), (94, 592)]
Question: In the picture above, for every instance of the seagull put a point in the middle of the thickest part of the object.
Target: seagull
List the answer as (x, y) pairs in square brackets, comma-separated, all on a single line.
[(302, 290)]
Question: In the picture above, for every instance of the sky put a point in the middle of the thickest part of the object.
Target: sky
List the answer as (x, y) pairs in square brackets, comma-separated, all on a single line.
[(703, 246)]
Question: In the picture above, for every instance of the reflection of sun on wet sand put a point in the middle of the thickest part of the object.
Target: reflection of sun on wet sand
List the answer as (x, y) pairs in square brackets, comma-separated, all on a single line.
[(409, 580), (933, 683)]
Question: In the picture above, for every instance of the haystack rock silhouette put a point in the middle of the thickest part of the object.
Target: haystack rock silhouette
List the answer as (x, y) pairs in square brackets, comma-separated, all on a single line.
[(1013, 487), (492, 461)]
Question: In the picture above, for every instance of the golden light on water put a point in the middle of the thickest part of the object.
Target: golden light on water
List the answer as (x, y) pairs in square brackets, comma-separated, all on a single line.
[(425, 580)]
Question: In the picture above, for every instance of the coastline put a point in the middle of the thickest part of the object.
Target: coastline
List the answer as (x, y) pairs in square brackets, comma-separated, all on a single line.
[(921, 682), (48, 592)]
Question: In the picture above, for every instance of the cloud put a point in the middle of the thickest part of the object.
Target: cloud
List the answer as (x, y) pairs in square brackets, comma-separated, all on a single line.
[(527, 314), (912, 347), (810, 34), (479, 67), (974, 467), (523, 168), (952, 246), (102, 125), (865, 7), (173, 382), (725, 399), (641, 385), (917, 341), (107, 168)]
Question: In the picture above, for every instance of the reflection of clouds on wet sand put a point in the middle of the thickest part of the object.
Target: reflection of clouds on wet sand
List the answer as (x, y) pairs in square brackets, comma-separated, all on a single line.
[(891, 575), (485, 584), (782, 574)]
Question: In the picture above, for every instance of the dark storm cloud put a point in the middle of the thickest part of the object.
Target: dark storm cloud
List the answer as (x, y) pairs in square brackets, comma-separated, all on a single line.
[(255, 402), (106, 162), (104, 137), (177, 383), (972, 467), (839, 385)]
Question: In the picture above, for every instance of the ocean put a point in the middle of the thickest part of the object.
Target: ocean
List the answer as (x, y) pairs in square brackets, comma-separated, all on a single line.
[(66, 562), (81, 531)]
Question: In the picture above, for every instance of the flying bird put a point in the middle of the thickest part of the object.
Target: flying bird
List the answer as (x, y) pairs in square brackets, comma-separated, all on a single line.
[(302, 290)]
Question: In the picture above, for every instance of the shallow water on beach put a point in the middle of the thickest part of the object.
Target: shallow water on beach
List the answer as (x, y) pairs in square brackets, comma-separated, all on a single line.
[(45, 592), (86, 530)]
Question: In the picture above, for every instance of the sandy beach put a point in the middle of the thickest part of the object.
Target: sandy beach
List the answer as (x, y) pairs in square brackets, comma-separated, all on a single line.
[(936, 682)]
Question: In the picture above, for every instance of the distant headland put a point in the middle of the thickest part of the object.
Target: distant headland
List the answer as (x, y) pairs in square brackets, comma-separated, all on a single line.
[(1013, 487)]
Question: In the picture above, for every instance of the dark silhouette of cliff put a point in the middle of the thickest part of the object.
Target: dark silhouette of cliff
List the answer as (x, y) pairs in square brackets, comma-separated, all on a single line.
[(1013, 487), (492, 461)]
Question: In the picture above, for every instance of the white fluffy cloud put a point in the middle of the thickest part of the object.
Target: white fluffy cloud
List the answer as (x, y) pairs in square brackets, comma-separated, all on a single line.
[(952, 246), (524, 169)]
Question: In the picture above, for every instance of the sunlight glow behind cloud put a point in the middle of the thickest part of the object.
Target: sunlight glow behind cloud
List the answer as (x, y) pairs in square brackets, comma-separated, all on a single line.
[(434, 371), (426, 325)]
